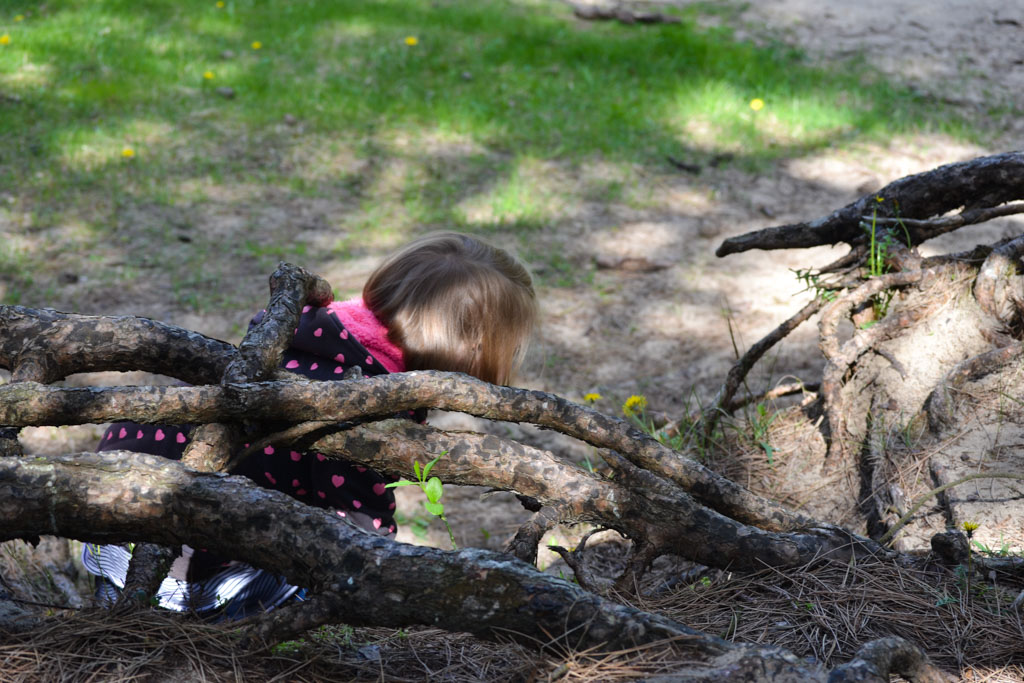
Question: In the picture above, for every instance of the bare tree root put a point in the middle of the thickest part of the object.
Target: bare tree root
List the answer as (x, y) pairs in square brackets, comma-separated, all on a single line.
[(888, 536), (129, 343), (637, 503), (940, 226), (647, 502), (738, 372), (527, 538), (259, 353), (938, 404), (779, 391), (146, 569), (878, 660), (979, 184), (998, 288), (839, 359), (576, 560)]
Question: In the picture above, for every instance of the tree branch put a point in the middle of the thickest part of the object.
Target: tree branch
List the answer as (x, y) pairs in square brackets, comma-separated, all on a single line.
[(984, 182), (260, 352), (46, 346), (31, 404), (116, 496)]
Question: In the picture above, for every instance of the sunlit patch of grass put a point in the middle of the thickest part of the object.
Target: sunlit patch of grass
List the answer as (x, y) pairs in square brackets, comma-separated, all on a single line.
[(527, 194), (90, 150)]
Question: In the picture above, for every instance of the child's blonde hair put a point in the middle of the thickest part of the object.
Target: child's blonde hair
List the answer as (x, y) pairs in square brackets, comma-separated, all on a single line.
[(454, 302)]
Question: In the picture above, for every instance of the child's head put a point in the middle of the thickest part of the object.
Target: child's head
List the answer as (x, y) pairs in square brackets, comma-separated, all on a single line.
[(453, 302)]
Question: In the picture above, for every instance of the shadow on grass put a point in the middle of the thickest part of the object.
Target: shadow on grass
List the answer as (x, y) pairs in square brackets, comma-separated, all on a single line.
[(511, 78), (118, 147)]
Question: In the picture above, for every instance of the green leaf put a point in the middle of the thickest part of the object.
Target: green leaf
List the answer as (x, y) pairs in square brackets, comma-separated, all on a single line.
[(430, 466), (434, 508), (400, 482), (433, 489), (416, 469)]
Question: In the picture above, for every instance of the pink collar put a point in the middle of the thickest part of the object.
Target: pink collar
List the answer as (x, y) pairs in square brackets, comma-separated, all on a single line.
[(364, 326)]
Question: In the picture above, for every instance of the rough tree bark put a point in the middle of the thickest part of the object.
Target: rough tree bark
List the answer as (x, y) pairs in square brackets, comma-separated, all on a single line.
[(360, 578), (662, 500)]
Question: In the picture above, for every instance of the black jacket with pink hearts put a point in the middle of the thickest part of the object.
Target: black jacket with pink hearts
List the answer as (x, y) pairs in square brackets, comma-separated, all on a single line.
[(321, 349)]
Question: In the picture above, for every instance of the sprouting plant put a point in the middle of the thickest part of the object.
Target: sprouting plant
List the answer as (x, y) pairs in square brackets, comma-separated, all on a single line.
[(878, 261), (1003, 550), (288, 647), (878, 250), (812, 281), (969, 529), (589, 466), (417, 523), (880, 243), (760, 425), (433, 489)]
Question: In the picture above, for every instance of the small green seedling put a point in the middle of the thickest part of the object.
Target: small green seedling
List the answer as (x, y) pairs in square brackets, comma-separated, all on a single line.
[(432, 488), (760, 426)]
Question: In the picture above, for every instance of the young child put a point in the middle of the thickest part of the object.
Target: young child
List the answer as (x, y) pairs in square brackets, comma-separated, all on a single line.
[(446, 301)]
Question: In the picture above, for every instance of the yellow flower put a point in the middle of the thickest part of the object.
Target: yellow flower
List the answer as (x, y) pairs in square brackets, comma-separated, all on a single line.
[(208, 75), (220, 4), (128, 152), (411, 40), (591, 397), (879, 198), (634, 404), (757, 104), (256, 45), (5, 39), (19, 17), (970, 528)]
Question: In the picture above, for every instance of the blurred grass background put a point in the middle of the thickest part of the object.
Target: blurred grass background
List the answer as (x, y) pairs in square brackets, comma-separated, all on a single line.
[(156, 151)]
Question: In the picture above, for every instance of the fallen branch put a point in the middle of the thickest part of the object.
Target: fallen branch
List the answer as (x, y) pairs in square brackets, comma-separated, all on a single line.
[(28, 403), (116, 497), (979, 184), (359, 578)]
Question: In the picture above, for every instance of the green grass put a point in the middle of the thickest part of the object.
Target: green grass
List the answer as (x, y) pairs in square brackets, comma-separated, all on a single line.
[(93, 77), (336, 104)]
